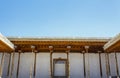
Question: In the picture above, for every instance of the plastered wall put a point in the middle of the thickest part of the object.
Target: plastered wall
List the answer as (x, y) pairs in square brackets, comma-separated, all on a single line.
[(22, 65)]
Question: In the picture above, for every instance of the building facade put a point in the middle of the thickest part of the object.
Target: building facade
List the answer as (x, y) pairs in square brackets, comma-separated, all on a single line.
[(59, 57)]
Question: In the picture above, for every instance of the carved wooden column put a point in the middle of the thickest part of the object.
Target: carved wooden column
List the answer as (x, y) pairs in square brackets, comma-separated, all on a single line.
[(32, 74), (84, 63), (100, 64), (8, 71), (117, 68), (86, 48), (18, 65), (68, 68), (51, 67), (2, 63), (107, 66), (13, 55)]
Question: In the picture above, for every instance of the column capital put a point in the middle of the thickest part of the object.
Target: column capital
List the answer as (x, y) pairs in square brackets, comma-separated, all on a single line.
[(68, 48), (83, 51), (32, 47), (86, 48), (19, 51), (35, 51), (99, 51), (51, 48)]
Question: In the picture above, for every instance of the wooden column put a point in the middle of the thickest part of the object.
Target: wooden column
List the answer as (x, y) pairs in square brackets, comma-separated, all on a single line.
[(68, 68), (18, 65), (34, 73), (117, 68), (12, 66), (9, 65), (32, 70), (107, 65), (51, 67), (86, 48), (2, 63), (84, 63), (100, 64)]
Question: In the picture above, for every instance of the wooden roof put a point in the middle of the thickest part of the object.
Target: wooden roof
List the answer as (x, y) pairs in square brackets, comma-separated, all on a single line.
[(5, 44), (113, 45), (59, 44)]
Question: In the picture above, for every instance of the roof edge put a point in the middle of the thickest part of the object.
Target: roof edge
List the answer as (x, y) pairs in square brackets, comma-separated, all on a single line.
[(112, 42)]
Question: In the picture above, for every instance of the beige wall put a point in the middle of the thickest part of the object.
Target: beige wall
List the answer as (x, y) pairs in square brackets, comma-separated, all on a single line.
[(26, 65), (76, 65), (43, 65)]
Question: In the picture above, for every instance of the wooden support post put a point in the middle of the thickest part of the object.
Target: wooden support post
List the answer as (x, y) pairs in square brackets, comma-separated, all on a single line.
[(68, 69), (9, 65), (117, 68), (107, 65), (84, 64), (100, 64), (2, 63), (18, 64), (34, 66), (86, 48), (51, 68), (12, 66), (32, 69)]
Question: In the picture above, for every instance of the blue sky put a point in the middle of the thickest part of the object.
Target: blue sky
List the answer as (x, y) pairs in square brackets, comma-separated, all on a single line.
[(60, 18)]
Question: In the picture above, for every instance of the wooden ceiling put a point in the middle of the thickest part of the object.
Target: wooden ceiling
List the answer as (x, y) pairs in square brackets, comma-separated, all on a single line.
[(59, 46)]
